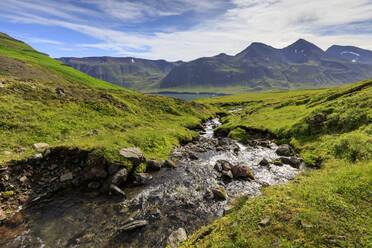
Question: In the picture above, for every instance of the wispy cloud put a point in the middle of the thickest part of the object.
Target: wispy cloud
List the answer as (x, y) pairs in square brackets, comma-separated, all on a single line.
[(231, 28), (37, 40)]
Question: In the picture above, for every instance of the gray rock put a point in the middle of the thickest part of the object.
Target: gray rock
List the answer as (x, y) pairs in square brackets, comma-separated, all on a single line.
[(292, 161), (169, 164), (224, 142), (94, 185), (242, 171), (120, 177), (265, 221), (227, 174), (142, 178), (65, 177), (134, 225), (284, 150), (132, 153), (38, 156), (117, 190), (219, 194), (264, 162), (154, 165), (23, 179), (227, 209), (176, 237), (40, 146)]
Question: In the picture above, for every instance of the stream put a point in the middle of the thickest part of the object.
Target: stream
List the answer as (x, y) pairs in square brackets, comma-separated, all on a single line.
[(175, 197)]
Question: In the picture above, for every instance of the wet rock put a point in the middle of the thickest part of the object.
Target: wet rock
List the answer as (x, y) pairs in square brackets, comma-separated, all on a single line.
[(40, 146), (141, 178), (132, 153), (94, 185), (6, 153), (236, 149), (169, 164), (176, 237), (154, 165), (265, 221), (264, 143), (219, 194), (208, 194), (316, 120), (242, 171), (227, 174), (222, 165), (193, 156), (278, 162), (225, 142), (264, 162), (65, 177), (117, 190), (134, 225), (292, 161), (284, 150), (120, 177)]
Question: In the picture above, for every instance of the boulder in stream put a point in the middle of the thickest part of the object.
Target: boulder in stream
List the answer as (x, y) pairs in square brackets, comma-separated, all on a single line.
[(284, 150), (135, 224), (242, 171), (292, 161), (176, 237), (154, 165), (120, 177)]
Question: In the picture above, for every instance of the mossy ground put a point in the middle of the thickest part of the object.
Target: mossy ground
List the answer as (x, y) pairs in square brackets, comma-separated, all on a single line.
[(329, 207), (90, 114)]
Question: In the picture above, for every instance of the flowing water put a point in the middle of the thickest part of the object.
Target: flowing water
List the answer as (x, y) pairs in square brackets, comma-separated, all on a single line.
[(174, 198)]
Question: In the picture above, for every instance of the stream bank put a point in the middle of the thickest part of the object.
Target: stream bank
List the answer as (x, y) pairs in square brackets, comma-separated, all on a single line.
[(210, 173)]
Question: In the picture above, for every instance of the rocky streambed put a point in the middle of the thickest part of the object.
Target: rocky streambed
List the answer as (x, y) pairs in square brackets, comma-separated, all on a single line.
[(162, 210)]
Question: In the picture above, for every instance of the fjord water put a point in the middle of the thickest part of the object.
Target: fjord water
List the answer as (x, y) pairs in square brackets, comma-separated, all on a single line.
[(175, 198)]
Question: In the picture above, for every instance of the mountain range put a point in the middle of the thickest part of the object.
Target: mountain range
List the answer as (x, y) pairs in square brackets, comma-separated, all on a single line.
[(260, 67)]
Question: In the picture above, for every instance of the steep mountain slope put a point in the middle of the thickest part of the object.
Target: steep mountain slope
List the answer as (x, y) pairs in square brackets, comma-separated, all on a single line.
[(350, 54), (42, 100), (131, 73), (326, 207), (261, 67)]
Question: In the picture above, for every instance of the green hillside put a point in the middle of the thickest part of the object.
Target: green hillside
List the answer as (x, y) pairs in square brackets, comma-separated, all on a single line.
[(42, 100), (327, 207)]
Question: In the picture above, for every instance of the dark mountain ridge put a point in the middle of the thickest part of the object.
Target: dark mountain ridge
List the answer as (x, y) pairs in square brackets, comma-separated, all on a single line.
[(259, 67)]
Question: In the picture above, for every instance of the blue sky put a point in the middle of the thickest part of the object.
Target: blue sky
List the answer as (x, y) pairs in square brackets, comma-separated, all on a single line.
[(182, 29)]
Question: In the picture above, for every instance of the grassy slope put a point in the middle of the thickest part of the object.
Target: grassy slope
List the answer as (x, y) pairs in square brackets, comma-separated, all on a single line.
[(329, 207), (92, 114)]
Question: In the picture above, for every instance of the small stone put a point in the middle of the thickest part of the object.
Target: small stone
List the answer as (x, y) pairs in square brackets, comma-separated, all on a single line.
[(40, 146), (219, 194), (94, 185), (23, 179), (117, 189), (265, 221), (135, 224), (176, 237), (65, 177), (169, 164), (264, 162), (120, 177), (154, 165), (7, 153), (142, 178), (292, 161), (20, 150), (38, 156), (227, 174), (284, 150)]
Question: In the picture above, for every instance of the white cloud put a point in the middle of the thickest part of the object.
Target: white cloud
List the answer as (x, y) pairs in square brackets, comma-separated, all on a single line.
[(37, 40), (277, 23)]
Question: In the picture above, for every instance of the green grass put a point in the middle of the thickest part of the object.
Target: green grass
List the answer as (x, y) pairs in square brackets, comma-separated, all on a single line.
[(92, 114), (329, 207)]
